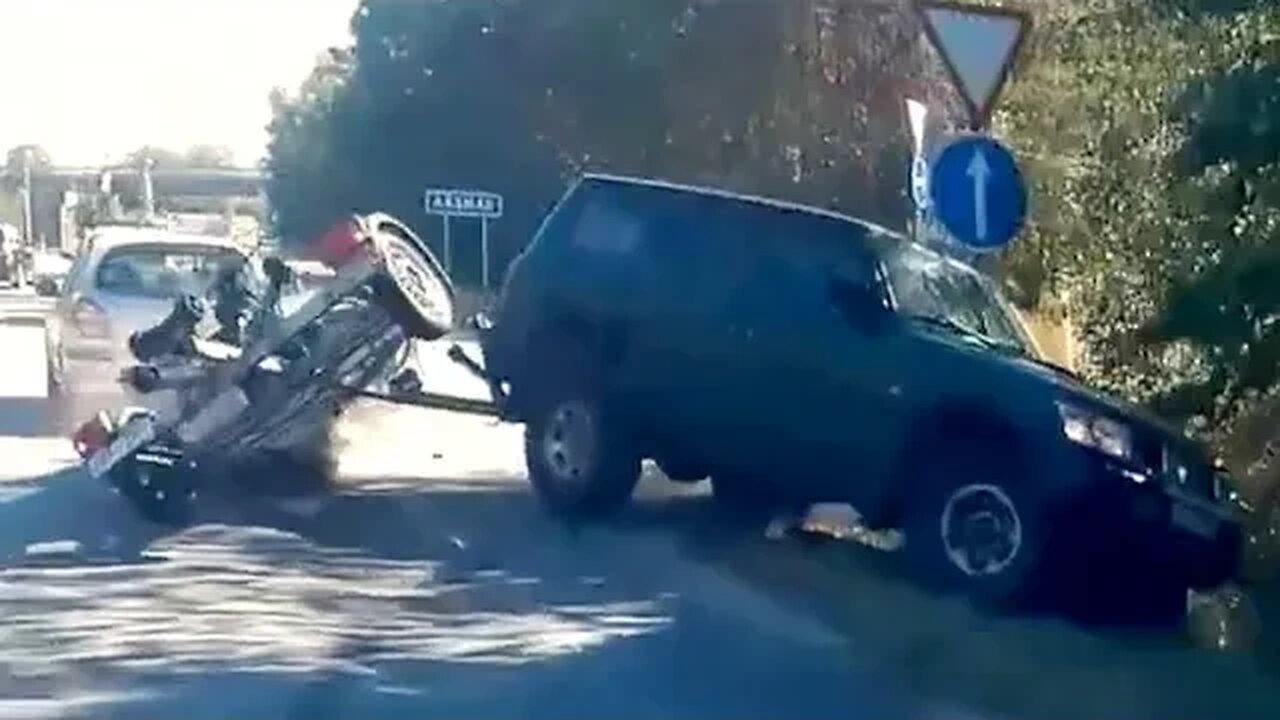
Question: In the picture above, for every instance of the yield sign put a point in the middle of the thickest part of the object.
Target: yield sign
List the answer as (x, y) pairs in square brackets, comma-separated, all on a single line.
[(978, 45)]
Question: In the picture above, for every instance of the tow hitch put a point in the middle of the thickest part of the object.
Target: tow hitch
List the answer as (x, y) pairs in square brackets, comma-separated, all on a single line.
[(409, 392)]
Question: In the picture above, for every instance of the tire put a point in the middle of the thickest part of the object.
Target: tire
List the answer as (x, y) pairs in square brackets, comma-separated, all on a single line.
[(160, 495), (972, 526), (413, 289), (580, 459)]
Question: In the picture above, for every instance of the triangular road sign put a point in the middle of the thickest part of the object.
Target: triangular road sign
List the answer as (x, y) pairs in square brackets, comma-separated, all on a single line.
[(978, 44)]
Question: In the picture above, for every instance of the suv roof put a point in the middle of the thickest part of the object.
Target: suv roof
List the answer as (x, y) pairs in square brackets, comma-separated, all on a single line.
[(884, 237), (741, 197)]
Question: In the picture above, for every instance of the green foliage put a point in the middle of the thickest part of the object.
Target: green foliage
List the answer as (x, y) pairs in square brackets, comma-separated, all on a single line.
[(794, 99), (1151, 129), (16, 159), (197, 156)]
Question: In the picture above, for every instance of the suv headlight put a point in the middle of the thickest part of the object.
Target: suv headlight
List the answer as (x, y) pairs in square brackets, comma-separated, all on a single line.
[(1096, 431)]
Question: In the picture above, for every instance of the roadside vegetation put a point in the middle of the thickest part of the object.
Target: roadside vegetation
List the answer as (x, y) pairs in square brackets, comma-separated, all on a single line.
[(1150, 129)]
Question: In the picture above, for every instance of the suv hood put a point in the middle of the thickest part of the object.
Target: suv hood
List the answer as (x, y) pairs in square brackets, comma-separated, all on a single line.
[(1071, 389), (1065, 385)]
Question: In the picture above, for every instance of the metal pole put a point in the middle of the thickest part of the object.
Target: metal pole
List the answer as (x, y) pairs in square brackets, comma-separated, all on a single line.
[(484, 253), (448, 247), (28, 221), (148, 192)]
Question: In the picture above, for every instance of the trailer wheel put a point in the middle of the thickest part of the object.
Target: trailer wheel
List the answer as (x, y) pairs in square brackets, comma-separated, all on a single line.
[(413, 288)]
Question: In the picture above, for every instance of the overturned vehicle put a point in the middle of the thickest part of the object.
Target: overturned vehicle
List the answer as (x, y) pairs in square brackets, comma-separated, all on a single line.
[(229, 380)]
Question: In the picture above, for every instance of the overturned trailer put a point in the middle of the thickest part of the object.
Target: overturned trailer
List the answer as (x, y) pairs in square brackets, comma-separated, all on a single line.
[(230, 380)]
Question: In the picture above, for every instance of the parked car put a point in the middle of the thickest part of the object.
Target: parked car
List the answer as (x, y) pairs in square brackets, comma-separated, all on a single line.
[(49, 270), (797, 356), (124, 279)]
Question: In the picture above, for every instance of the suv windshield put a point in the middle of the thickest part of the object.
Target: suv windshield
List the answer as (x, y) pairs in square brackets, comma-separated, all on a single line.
[(929, 287)]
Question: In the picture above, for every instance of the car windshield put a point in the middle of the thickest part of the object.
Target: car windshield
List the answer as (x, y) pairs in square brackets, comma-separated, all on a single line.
[(926, 286), (164, 272)]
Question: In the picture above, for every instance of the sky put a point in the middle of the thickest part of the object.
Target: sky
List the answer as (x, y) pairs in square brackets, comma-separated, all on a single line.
[(92, 80)]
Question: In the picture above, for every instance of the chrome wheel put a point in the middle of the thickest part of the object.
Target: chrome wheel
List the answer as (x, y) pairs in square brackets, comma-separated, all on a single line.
[(421, 287), (981, 530), (569, 442)]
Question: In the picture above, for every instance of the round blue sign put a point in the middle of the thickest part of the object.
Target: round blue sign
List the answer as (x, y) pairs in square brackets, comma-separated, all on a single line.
[(977, 192)]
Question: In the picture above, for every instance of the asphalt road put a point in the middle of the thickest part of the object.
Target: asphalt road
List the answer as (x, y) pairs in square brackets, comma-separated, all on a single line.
[(428, 584)]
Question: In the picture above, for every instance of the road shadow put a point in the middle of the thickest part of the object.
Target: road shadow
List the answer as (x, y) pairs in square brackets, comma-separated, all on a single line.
[(459, 596), (64, 507), (24, 417), (1048, 664), (443, 596)]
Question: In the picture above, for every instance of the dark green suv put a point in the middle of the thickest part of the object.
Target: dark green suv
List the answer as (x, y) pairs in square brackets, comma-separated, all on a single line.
[(795, 355)]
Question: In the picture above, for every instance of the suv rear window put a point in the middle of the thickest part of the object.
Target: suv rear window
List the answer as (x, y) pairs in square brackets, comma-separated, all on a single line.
[(163, 271)]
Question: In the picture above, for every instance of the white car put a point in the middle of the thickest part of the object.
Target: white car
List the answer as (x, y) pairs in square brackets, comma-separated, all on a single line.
[(125, 279)]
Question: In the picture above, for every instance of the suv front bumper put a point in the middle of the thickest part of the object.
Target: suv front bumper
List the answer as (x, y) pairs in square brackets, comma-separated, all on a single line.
[(1149, 530)]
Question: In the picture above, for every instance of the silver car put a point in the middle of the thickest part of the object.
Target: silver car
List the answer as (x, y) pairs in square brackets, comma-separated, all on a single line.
[(124, 279)]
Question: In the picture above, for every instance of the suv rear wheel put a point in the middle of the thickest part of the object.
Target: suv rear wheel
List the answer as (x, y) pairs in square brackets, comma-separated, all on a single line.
[(580, 459), (974, 527)]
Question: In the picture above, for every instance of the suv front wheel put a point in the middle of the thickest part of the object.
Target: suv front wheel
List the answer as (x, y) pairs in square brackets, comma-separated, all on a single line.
[(975, 527), (580, 459)]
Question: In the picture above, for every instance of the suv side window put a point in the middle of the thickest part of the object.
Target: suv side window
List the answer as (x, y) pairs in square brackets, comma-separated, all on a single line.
[(703, 251), (607, 226), (807, 265)]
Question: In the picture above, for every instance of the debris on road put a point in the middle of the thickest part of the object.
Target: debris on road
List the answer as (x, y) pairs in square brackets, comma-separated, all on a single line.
[(53, 549), (837, 520)]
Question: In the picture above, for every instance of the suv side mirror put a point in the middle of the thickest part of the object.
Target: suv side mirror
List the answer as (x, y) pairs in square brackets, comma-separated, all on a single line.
[(861, 304)]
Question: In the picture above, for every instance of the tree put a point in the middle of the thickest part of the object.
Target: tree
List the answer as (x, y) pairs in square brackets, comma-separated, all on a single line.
[(1109, 113), (1228, 311), (16, 158), (160, 157), (792, 99), (209, 156)]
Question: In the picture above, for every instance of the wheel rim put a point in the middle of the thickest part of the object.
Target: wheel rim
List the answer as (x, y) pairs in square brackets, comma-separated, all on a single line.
[(981, 530), (420, 286), (568, 443)]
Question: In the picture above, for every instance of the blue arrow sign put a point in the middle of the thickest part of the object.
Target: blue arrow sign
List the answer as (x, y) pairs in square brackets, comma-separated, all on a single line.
[(977, 192)]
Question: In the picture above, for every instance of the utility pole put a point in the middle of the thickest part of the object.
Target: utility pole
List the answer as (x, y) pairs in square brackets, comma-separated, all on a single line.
[(148, 191), (28, 222)]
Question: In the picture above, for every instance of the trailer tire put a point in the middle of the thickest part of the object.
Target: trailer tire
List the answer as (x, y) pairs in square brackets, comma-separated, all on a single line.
[(163, 496), (413, 287)]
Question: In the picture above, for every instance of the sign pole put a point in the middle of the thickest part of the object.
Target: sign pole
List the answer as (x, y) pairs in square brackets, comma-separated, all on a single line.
[(450, 203), (484, 253), (448, 246), (917, 114)]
